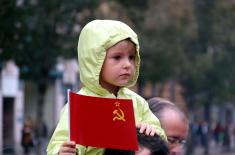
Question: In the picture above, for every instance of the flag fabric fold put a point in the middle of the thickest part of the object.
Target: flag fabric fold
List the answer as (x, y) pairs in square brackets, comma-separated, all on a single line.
[(102, 122)]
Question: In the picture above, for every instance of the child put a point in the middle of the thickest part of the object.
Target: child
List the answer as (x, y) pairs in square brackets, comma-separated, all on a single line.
[(108, 55)]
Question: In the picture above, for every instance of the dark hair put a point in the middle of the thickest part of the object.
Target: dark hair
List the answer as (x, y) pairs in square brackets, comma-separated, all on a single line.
[(155, 144), (118, 152)]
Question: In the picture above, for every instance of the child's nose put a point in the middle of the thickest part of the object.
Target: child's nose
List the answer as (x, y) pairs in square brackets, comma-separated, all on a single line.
[(127, 63)]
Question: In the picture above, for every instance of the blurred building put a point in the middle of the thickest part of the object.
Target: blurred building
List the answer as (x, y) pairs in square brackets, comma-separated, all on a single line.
[(11, 108), (66, 77), (19, 100), (173, 91), (170, 90)]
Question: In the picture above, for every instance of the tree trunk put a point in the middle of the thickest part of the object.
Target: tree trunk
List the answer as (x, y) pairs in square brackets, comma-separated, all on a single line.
[(42, 87)]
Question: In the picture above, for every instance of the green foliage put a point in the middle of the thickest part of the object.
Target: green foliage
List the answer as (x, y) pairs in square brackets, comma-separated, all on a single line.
[(209, 69), (35, 33), (8, 14), (192, 42), (139, 4)]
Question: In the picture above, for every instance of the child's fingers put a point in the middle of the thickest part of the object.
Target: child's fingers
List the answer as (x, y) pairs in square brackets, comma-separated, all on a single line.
[(153, 132), (150, 131), (138, 125), (68, 148), (158, 132), (147, 129), (67, 151), (71, 144), (142, 127)]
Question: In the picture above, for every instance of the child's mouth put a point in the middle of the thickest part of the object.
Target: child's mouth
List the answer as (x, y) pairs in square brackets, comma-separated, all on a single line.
[(125, 75)]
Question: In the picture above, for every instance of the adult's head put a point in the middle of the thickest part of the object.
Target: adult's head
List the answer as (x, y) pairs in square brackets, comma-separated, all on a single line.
[(173, 121), (151, 145), (148, 145)]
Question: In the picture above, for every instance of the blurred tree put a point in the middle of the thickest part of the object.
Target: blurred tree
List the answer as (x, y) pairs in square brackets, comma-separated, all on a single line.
[(8, 34), (164, 27), (209, 73), (34, 33), (224, 41), (200, 87), (190, 41)]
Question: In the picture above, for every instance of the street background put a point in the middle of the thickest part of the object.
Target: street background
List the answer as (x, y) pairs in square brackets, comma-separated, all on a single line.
[(187, 56)]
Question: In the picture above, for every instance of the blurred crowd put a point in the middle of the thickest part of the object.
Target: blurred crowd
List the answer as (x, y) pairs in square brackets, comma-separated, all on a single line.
[(201, 134), (217, 135)]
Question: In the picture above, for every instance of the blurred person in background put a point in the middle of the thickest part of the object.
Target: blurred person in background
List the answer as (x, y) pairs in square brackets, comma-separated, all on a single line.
[(217, 132), (41, 134), (233, 137), (173, 121), (27, 136), (203, 135), (228, 131)]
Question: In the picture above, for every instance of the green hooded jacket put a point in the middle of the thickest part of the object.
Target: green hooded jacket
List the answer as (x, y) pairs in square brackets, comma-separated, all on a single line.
[(95, 38)]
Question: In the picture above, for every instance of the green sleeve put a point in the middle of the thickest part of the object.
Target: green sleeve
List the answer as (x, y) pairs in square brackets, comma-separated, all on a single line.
[(60, 135), (150, 118)]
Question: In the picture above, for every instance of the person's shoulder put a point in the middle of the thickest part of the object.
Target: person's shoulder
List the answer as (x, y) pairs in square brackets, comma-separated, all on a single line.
[(133, 94), (87, 92)]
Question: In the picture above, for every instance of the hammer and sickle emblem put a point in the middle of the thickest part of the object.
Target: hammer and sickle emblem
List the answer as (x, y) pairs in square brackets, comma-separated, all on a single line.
[(119, 114)]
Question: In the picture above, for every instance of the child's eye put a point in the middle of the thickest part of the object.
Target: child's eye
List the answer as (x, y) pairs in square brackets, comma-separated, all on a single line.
[(117, 57), (132, 57)]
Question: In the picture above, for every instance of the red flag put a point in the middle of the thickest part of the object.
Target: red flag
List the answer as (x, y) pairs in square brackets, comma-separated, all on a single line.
[(102, 122)]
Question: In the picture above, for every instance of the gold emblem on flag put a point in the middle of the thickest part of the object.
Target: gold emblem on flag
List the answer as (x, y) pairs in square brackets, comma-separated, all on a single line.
[(118, 113)]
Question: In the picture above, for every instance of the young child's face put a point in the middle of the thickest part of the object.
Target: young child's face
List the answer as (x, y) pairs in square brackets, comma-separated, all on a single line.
[(119, 66)]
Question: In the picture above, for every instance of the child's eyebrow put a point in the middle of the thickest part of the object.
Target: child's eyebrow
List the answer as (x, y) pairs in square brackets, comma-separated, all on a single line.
[(116, 53)]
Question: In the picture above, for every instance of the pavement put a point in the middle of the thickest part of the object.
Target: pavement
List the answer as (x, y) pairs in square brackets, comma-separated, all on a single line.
[(214, 150), (198, 150)]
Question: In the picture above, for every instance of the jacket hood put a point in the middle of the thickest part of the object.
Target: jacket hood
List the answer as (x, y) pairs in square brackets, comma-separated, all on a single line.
[(95, 38)]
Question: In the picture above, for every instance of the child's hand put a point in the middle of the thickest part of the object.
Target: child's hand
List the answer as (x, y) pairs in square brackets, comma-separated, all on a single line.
[(68, 148), (147, 129)]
